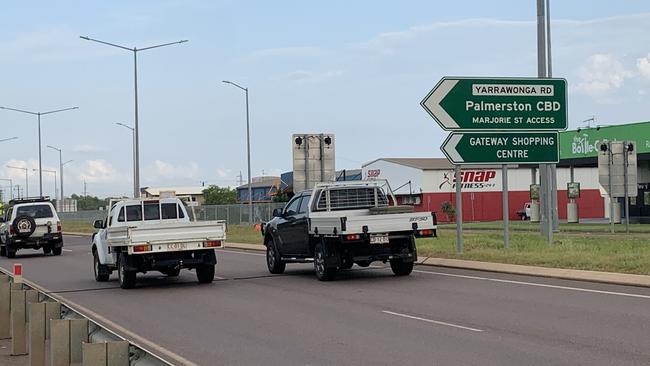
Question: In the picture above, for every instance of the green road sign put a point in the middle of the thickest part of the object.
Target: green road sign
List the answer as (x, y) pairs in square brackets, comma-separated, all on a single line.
[(498, 104), (502, 148)]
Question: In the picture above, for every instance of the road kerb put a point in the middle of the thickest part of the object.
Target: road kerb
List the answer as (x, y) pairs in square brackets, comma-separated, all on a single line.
[(561, 273)]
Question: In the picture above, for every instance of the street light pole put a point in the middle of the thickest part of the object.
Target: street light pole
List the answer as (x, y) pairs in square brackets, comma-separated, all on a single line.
[(136, 179), (135, 186), (26, 179), (248, 150), (40, 161), (60, 169)]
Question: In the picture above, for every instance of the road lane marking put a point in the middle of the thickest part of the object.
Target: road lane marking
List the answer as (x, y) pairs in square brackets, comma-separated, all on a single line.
[(431, 321), (67, 250), (537, 284)]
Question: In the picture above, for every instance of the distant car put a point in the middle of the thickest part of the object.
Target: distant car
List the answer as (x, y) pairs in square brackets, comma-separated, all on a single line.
[(525, 213), (30, 223)]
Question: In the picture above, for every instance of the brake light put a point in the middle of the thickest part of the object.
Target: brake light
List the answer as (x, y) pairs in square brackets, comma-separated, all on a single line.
[(426, 232), (351, 237), (213, 244), (58, 226), (142, 248), (11, 230)]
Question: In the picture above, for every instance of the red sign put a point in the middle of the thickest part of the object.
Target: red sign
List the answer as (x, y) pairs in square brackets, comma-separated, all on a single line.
[(374, 173)]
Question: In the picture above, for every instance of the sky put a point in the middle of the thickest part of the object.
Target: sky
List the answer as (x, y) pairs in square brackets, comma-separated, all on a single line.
[(357, 69)]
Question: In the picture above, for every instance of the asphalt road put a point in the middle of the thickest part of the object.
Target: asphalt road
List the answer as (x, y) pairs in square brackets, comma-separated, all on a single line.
[(436, 316)]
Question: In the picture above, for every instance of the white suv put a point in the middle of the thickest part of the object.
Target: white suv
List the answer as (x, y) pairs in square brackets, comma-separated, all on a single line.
[(30, 223)]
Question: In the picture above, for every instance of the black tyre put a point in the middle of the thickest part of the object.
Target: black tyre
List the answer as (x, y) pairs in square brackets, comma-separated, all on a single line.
[(205, 273), (400, 267), (273, 260), (47, 250), (24, 226), (11, 253), (323, 273), (100, 270), (3, 250), (125, 277), (57, 251)]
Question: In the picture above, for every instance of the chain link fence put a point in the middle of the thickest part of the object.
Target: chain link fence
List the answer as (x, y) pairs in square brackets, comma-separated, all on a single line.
[(232, 214)]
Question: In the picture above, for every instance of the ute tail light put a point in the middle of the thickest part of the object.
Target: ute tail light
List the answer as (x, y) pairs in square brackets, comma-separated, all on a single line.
[(213, 244), (58, 226), (11, 230), (142, 248), (426, 232), (352, 237)]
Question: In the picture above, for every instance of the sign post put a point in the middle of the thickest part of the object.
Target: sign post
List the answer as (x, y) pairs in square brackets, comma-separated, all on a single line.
[(498, 104), (501, 121), (459, 212), (504, 198), (502, 147)]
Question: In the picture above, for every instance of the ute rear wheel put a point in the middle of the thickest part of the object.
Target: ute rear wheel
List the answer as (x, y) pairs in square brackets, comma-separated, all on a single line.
[(3, 250), (100, 270), (400, 267), (323, 271), (273, 260), (205, 273), (47, 250), (57, 251), (125, 277)]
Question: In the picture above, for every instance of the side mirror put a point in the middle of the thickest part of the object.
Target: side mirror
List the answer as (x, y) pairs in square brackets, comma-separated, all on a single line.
[(277, 212), (98, 224)]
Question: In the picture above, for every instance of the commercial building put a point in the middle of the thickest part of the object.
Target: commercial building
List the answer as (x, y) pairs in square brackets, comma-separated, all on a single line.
[(427, 183)]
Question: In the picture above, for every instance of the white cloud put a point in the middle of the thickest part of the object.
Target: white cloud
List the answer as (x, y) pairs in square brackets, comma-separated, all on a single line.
[(100, 171), (643, 65), (601, 74)]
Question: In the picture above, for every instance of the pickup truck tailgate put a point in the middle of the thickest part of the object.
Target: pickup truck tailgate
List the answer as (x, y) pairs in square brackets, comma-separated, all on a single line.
[(168, 233), (376, 223)]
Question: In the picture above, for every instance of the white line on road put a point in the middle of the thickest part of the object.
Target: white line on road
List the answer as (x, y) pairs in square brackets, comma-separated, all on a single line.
[(67, 250), (537, 284), (431, 321)]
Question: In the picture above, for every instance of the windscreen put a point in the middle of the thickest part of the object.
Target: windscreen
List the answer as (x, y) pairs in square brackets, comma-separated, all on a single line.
[(35, 211)]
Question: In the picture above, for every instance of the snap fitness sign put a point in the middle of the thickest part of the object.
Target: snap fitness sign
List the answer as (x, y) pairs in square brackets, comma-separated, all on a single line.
[(470, 179)]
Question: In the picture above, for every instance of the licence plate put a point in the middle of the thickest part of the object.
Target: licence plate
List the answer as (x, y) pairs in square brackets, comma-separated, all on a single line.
[(177, 246), (379, 239)]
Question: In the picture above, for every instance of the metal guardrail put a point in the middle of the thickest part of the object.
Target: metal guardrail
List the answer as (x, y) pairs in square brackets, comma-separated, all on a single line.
[(98, 332)]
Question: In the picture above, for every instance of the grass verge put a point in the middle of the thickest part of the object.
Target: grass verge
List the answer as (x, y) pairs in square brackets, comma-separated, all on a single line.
[(572, 248)]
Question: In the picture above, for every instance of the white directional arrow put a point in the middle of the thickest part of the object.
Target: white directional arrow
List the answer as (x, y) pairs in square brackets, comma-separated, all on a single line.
[(431, 103), (449, 148)]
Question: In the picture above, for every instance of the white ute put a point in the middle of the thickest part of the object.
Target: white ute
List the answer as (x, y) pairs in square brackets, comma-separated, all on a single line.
[(140, 235)]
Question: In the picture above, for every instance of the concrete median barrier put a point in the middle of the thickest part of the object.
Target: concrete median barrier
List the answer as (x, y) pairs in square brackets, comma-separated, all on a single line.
[(5, 310), (18, 323), (37, 322), (67, 337), (106, 354)]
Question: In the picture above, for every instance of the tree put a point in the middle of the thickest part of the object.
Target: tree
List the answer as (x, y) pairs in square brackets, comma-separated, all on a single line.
[(89, 202), (215, 195)]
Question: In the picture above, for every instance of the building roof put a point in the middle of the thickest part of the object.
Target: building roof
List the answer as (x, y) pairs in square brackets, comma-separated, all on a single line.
[(434, 163), (180, 191), (418, 163), (262, 182)]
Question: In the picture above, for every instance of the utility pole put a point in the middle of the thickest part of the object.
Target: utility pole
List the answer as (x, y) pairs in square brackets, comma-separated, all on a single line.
[(545, 191), (85, 189)]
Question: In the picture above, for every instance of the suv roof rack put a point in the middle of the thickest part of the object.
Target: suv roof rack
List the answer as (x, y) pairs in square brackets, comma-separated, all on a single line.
[(29, 200)]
